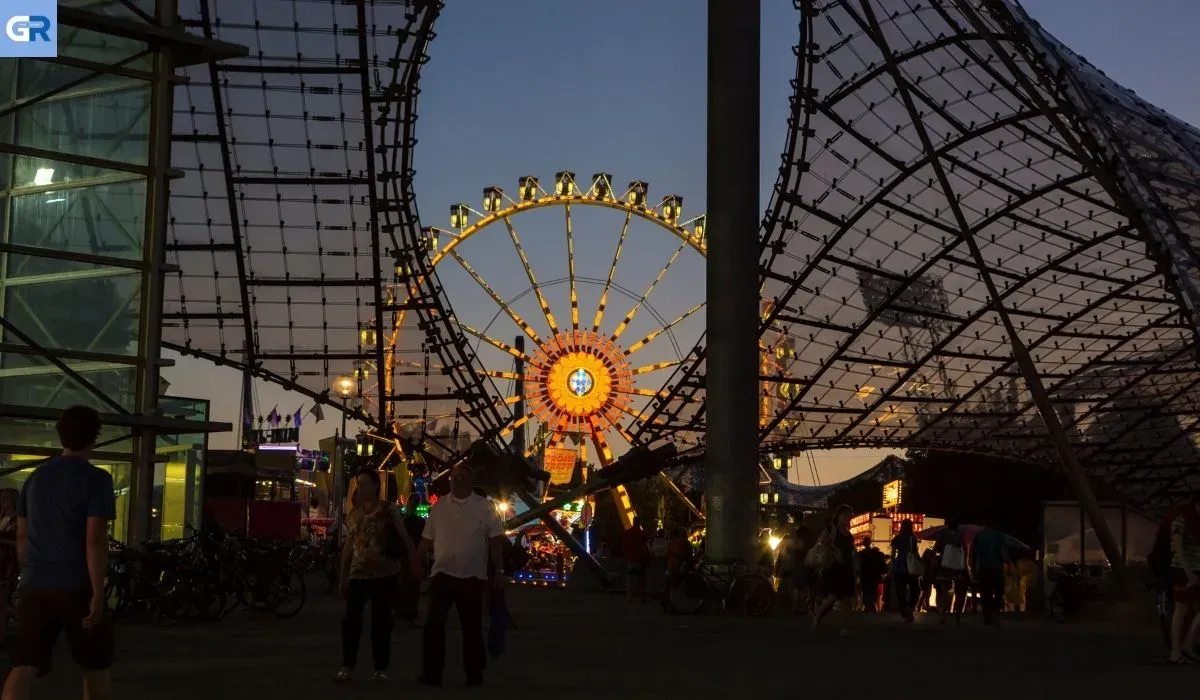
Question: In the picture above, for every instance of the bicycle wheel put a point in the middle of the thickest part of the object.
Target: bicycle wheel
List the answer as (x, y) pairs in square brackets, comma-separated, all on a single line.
[(289, 595), (751, 595), (688, 597)]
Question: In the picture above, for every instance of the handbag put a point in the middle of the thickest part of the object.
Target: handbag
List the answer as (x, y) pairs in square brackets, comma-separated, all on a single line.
[(913, 565), (953, 559), (818, 555)]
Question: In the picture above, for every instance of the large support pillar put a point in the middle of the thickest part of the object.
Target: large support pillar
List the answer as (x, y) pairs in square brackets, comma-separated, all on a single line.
[(732, 270), (154, 259)]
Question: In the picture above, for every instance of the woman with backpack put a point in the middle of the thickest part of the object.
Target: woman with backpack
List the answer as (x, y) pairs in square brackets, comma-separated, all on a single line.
[(376, 543)]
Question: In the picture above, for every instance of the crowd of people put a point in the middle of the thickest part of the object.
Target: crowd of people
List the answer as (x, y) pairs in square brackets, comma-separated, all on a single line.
[(827, 572)]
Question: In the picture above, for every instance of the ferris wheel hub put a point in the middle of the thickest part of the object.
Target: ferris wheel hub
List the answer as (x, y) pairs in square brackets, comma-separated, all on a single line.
[(578, 377)]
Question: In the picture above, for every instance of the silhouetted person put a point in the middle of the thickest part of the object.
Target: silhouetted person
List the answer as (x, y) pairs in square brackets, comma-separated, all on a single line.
[(988, 557), (636, 550), (464, 532), (62, 542), (906, 567), (873, 565)]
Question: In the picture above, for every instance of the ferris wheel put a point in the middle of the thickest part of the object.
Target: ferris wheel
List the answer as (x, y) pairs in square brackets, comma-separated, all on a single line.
[(585, 350)]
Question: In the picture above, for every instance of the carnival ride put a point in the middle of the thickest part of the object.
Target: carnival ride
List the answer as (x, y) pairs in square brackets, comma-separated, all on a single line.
[(970, 225)]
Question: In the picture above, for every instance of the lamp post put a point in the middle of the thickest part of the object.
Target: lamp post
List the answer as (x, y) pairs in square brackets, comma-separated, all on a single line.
[(344, 387)]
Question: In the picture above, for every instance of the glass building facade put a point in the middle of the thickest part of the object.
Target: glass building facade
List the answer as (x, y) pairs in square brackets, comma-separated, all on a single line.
[(84, 156)]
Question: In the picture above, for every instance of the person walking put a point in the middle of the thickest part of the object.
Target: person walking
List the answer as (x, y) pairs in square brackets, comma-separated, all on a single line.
[(906, 569), (370, 574), (951, 583), (63, 514), (989, 556), (636, 551), (838, 563), (463, 532)]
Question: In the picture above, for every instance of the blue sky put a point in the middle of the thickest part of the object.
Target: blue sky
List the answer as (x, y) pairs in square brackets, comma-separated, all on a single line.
[(534, 87)]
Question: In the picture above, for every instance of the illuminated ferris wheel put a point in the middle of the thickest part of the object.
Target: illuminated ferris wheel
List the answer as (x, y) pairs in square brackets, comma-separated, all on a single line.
[(576, 377)]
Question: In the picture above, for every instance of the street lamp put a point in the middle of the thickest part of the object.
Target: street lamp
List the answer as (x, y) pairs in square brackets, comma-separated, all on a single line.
[(344, 387)]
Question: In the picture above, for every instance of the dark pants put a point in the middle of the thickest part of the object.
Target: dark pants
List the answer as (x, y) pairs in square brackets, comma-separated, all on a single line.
[(465, 594), (991, 590), (380, 592), (952, 594), (906, 590)]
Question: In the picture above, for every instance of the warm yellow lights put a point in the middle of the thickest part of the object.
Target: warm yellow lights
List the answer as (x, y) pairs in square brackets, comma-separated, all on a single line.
[(637, 193), (564, 183), (773, 541), (367, 336), (602, 185), (701, 226), (345, 386), (502, 507), (579, 383), (493, 199), (528, 188), (672, 208), (460, 214), (429, 239)]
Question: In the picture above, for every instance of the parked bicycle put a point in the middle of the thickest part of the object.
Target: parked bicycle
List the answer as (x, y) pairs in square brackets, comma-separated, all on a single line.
[(738, 589)]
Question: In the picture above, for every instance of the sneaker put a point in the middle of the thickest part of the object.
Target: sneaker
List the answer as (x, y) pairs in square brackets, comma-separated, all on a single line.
[(342, 675), (379, 676)]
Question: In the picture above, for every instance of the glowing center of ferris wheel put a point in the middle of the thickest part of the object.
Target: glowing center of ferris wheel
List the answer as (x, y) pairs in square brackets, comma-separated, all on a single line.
[(581, 382)]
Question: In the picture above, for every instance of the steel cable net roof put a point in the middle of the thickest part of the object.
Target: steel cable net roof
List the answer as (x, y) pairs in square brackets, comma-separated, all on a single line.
[(295, 224), (910, 123)]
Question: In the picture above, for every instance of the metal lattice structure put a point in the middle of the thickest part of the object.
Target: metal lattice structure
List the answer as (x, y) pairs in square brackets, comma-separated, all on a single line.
[(922, 129), (296, 222)]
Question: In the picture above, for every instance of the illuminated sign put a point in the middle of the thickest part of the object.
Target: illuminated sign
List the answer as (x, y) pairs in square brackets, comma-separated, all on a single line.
[(893, 492), (560, 462)]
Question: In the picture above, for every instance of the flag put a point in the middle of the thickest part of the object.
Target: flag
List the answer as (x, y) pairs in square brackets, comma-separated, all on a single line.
[(273, 416), (297, 416), (316, 411)]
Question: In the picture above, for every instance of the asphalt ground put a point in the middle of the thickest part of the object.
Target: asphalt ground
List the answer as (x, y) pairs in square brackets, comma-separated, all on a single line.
[(576, 645)]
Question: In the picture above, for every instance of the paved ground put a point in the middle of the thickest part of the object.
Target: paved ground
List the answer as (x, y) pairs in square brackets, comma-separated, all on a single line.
[(592, 646)]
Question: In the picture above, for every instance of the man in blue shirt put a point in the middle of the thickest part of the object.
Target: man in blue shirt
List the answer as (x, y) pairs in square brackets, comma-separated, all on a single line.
[(62, 542)]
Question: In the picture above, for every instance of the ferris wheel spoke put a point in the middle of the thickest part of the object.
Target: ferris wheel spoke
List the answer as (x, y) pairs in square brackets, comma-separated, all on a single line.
[(516, 424), (498, 344), (617, 427), (635, 391), (649, 338), (654, 367), (603, 450), (571, 270), (649, 290), (496, 374), (612, 270), (537, 289), (516, 318)]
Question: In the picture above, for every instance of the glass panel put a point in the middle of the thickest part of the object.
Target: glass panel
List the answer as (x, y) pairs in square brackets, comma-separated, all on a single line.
[(177, 481), (104, 220), (112, 125), (67, 309), (101, 48), (30, 380)]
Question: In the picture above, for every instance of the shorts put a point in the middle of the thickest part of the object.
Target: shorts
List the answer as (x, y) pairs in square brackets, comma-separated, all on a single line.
[(43, 613)]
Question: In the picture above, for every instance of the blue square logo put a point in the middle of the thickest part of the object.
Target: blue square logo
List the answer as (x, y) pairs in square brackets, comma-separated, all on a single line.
[(30, 29)]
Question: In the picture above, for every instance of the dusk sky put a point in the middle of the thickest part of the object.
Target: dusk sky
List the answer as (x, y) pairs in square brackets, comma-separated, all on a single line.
[(534, 87)]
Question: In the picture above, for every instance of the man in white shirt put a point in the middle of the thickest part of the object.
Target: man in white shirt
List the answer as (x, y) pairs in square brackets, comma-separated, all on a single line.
[(463, 530)]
